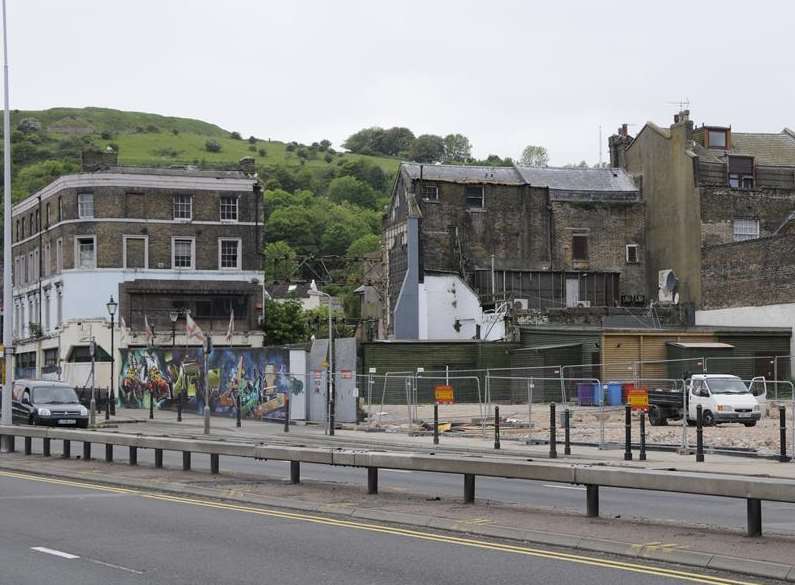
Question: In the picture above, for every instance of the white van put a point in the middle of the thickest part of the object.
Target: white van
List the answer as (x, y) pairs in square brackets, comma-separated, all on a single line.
[(723, 398)]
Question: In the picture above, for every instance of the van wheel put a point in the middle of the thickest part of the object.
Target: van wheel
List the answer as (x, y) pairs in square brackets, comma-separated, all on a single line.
[(691, 422), (750, 424), (708, 419), (656, 419)]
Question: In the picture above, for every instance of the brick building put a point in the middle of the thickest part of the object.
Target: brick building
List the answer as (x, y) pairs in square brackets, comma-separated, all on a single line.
[(719, 207), (160, 241), (540, 237)]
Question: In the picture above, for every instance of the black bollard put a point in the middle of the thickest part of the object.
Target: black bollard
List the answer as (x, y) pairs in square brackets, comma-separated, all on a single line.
[(553, 447), (151, 405), (699, 433), (496, 427), (627, 432), (287, 413), (567, 432), (45, 447), (435, 423), (67, 449), (86, 450), (237, 409), (642, 456), (28, 445), (179, 407), (782, 429)]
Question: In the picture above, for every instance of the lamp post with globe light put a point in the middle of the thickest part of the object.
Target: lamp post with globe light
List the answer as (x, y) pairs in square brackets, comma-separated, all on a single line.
[(331, 390), (110, 403)]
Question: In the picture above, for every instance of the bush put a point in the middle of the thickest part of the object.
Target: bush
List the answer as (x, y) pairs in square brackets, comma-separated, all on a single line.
[(252, 140), (252, 148), (235, 136), (113, 146), (262, 152), (302, 153), (290, 147), (212, 146), (106, 135), (328, 157), (166, 152), (174, 131), (29, 125), (152, 129), (325, 144)]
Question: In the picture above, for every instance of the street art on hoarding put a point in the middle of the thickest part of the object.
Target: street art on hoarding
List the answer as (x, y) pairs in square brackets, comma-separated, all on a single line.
[(260, 377)]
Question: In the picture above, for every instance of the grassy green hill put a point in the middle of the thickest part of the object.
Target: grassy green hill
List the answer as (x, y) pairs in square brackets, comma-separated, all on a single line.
[(51, 145)]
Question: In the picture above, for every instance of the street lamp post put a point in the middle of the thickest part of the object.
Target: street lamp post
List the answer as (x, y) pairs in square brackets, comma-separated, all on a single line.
[(92, 414), (110, 403), (173, 315), (331, 388)]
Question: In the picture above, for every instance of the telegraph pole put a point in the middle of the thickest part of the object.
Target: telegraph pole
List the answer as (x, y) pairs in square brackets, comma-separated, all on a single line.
[(8, 297)]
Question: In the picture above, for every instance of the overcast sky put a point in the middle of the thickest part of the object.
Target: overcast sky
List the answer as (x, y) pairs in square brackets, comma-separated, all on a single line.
[(504, 73)]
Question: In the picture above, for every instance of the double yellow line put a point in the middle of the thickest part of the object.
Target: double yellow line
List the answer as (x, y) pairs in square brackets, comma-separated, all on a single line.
[(415, 534)]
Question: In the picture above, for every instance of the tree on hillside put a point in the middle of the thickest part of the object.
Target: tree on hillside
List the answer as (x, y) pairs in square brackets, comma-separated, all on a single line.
[(281, 262), (535, 156), (395, 141), (580, 165), (428, 148), (364, 245), (366, 171), (365, 141), (38, 175), (212, 146), (457, 148), (285, 323), (352, 190)]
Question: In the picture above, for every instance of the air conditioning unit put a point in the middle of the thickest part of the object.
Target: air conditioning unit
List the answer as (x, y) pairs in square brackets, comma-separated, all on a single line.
[(583, 304), (521, 304)]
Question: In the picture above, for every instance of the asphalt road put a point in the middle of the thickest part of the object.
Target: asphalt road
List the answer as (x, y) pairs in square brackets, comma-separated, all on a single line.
[(682, 509), (65, 533)]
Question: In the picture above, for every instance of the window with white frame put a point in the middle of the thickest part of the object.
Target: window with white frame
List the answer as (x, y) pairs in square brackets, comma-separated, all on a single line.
[(31, 267), (229, 208), (86, 252), (85, 205), (183, 206), (633, 254), (59, 255), (746, 229), (430, 191), (47, 268), (36, 264), (59, 307), (229, 254), (46, 309), (182, 252)]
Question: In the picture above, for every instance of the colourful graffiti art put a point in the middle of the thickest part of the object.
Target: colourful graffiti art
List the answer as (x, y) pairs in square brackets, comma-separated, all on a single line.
[(259, 377)]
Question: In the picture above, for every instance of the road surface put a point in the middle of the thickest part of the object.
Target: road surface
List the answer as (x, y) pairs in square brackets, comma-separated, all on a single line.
[(58, 532)]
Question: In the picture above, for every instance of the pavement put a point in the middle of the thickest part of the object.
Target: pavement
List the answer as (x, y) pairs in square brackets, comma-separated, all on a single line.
[(506, 508), (86, 532)]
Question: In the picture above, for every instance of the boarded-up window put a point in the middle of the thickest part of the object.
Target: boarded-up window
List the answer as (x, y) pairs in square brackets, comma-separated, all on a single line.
[(579, 247), (135, 205), (135, 252)]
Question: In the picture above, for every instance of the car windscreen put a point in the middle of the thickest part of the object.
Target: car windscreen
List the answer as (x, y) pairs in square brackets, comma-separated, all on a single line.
[(727, 386), (54, 395)]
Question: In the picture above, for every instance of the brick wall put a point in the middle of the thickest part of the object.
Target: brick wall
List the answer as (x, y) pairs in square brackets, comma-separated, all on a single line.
[(720, 206), (751, 273)]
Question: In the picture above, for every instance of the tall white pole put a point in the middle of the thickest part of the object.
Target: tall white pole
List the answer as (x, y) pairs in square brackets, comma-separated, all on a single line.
[(8, 298)]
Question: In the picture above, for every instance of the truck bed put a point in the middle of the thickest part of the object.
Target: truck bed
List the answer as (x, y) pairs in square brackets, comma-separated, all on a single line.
[(665, 397)]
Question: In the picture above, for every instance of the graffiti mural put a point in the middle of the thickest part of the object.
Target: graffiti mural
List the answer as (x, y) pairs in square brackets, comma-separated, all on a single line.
[(259, 377)]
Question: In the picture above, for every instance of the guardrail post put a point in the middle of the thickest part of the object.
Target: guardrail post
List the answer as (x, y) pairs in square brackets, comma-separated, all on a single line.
[(151, 404), (179, 407), (28, 445), (627, 432), (754, 508), (553, 447), (699, 433), (133, 455), (782, 418), (186, 461), (567, 431), (496, 427), (287, 412), (592, 500), (45, 446), (215, 463), (237, 410), (642, 456), (11, 443), (158, 458), (372, 480), (435, 423), (108, 453), (295, 472), (469, 488), (86, 450), (67, 449)]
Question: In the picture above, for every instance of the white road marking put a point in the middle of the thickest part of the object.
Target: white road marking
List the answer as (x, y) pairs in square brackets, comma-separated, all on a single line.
[(60, 496), (565, 487), (112, 566), (53, 552)]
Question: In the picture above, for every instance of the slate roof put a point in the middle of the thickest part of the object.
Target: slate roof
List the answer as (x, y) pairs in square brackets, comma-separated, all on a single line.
[(463, 174), (768, 149), (557, 179)]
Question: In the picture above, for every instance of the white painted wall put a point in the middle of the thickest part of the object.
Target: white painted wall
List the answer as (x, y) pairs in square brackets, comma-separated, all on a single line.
[(782, 315), (443, 299)]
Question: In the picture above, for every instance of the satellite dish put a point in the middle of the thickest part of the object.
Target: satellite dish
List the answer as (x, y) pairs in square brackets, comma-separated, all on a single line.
[(668, 282)]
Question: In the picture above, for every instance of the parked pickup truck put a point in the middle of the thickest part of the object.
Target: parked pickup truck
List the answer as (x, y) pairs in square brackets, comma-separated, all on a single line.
[(723, 398)]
